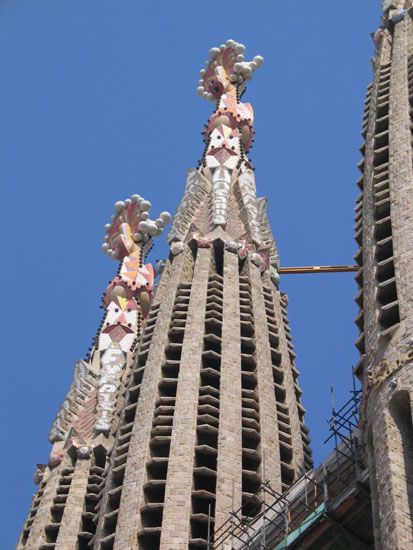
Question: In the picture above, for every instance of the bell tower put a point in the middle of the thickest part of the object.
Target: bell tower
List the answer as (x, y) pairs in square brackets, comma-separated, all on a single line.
[(189, 398), (384, 232)]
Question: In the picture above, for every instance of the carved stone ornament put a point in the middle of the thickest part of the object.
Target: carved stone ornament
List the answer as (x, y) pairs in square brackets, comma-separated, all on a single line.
[(68, 409), (386, 368), (229, 134), (395, 4), (112, 363), (55, 459), (131, 226), (84, 452), (221, 183), (177, 247), (256, 259), (159, 267), (229, 57), (81, 449), (284, 299), (232, 246), (196, 189), (247, 187), (378, 37), (397, 15), (244, 248), (204, 242), (39, 473), (260, 259), (375, 377), (275, 277)]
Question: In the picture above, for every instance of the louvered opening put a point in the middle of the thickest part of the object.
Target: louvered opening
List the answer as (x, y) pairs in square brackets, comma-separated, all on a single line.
[(251, 439), (120, 451), (96, 480), (286, 450), (161, 432), (52, 528), (386, 291), (33, 512), (206, 449)]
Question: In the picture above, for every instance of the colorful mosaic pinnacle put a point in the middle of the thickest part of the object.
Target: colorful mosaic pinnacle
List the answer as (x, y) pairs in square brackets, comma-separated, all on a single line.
[(131, 227), (126, 302), (225, 172), (229, 132), (226, 70)]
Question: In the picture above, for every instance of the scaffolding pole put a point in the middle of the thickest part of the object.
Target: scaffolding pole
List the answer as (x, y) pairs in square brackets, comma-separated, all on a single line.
[(298, 270), (277, 518)]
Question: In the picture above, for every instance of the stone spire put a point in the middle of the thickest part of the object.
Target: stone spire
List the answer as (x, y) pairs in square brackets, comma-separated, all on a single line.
[(220, 196), (384, 233), (188, 418), (82, 432)]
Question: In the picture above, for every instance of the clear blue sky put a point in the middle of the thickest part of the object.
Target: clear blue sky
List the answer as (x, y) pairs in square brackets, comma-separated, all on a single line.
[(98, 102)]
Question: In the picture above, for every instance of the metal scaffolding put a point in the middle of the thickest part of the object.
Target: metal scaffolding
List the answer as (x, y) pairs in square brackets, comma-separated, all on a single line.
[(280, 518)]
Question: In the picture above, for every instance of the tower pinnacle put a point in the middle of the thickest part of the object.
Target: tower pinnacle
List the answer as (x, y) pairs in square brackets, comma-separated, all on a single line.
[(127, 298), (224, 182), (227, 71)]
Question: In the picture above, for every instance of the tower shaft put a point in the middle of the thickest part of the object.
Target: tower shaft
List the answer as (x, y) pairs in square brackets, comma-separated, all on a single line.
[(217, 410), (384, 231)]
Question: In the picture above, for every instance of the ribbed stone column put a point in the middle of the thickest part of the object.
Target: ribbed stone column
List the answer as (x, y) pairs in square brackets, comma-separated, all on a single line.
[(391, 447), (132, 494), (37, 535), (177, 508), (371, 330), (373, 483), (291, 400), (229, 467), (268, 407), (72, 515), (401, 171)]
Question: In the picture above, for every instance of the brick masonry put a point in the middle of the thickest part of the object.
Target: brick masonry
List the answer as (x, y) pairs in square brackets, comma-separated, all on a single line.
[(177, 508), (297, 442), (388, 402), (229, 478), (72, 516), (132, 493), (268, 408)]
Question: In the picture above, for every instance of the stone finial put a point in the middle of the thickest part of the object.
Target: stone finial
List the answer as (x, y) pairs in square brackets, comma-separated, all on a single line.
[(39, 473), (275, 277), (131, 227), (177, 247), (226, 69), (55, 459), (232, 246), (84, 452)]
